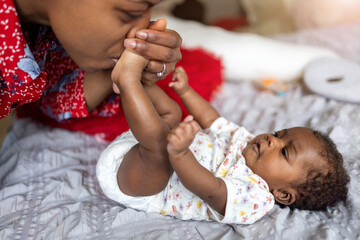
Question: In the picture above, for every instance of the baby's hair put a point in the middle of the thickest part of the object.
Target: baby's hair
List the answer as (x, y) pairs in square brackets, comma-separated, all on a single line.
[(324, 188)]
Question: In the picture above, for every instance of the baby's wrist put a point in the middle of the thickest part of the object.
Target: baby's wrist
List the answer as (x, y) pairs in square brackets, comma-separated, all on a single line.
[(183, 91), (178, 155)]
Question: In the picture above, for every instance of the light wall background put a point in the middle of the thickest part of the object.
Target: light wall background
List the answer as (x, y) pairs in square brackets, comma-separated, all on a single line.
[(269, 17)]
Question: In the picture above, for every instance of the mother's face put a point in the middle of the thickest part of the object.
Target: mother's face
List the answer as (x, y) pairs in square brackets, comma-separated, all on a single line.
[(93, 31)]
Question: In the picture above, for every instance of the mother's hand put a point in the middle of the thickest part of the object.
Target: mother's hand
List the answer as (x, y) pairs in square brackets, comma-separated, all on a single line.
[(161, 46)]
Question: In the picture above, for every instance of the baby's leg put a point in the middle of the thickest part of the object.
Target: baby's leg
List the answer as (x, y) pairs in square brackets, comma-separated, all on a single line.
[(150, 113)]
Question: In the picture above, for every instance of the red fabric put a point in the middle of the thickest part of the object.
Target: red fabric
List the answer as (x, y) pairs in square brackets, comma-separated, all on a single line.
[(205, 76), (21, 80), (63, 96), (231, 23)]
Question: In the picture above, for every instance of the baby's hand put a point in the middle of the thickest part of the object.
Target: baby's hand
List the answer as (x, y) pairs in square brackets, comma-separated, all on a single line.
[(128, 68), (181, 137), (180, 81)]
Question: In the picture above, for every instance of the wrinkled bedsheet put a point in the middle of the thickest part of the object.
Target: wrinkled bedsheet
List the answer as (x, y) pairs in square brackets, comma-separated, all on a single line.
[(48, 186)]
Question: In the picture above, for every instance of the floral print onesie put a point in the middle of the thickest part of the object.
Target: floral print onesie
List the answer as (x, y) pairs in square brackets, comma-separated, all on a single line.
[(219, 150)]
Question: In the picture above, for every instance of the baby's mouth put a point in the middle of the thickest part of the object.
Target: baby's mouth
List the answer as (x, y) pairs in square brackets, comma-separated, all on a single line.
[(256, 147)]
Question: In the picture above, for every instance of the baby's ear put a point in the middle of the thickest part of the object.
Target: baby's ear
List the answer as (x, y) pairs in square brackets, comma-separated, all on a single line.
[(285, 197)]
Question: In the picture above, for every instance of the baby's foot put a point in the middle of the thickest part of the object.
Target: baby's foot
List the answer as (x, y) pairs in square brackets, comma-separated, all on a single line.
[(129, 67)]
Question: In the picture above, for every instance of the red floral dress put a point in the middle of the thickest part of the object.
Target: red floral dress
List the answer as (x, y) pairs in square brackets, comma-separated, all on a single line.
[(21, 80)]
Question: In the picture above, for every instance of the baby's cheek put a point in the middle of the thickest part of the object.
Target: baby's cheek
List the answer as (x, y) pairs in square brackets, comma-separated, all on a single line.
[(245, 154)]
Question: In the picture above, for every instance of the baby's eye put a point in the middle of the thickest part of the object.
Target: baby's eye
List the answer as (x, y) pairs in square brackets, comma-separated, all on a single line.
[(276, 134), (283, 152)]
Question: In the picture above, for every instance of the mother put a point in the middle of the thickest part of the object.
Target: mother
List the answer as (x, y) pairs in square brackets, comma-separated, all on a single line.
[(76, 51)]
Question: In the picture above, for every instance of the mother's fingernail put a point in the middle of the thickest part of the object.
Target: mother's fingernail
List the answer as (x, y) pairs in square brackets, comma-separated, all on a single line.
[(141, 35), (130, 43)]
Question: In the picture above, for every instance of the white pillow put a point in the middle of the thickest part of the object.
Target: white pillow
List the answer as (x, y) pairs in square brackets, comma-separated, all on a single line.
[(334, 78), (249, 57)]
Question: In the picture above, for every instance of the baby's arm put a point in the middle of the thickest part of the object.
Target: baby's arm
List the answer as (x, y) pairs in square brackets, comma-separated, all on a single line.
[(203, 112), (192, 175)]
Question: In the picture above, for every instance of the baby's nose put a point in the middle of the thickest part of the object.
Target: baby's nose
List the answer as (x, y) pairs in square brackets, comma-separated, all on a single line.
[(272, 141)]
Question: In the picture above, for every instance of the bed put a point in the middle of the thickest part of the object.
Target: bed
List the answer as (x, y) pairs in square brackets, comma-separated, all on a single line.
[(49, 189)]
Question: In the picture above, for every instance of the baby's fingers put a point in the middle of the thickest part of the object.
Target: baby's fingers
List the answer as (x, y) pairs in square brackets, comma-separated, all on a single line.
[(188, 118), (179, 81), (189, 127), (175, 144), (179, 74), (173, 138), (174, 85), (194, 127)]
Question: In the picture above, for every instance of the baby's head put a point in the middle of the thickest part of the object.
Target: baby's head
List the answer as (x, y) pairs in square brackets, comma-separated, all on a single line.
[(302, 167)]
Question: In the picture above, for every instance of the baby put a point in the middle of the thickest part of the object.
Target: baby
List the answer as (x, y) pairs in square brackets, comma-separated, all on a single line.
[(221, 173)]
